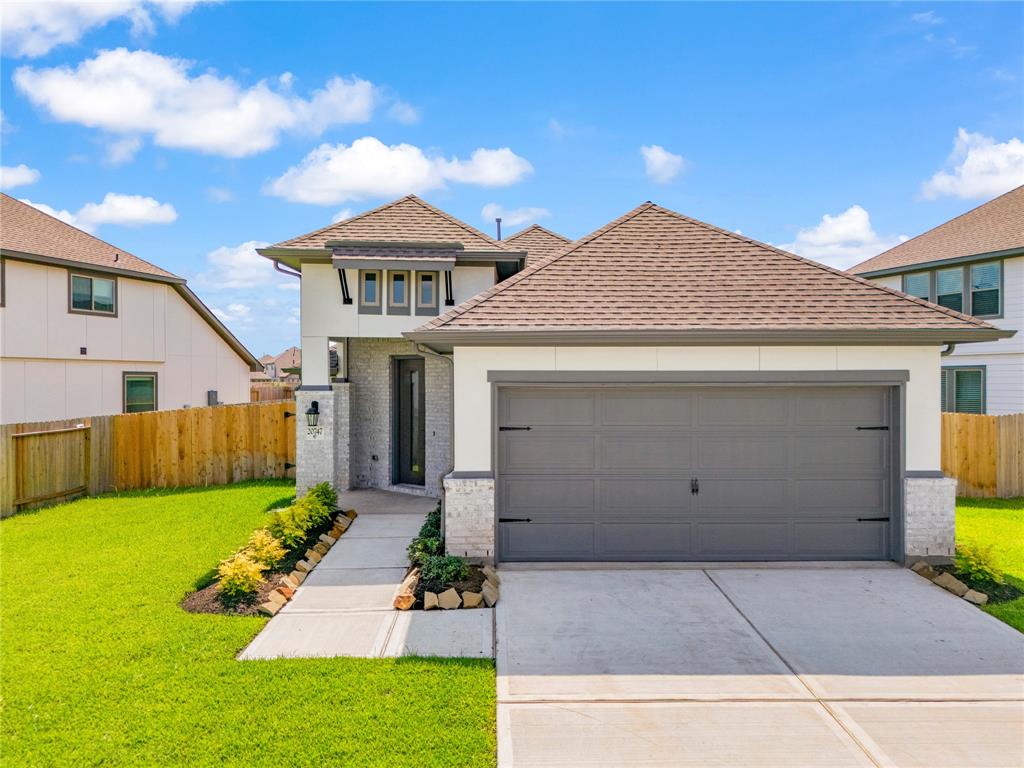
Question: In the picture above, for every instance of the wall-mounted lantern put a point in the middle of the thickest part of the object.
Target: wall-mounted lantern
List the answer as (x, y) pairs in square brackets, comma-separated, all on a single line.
[(313, 414)]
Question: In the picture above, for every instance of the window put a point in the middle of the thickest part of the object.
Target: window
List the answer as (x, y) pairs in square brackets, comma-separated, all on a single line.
[(398, 293), (949, 288), (369, 291), (963, 389), (95, 295), (986, 280), (139, 392), (918, 284), (426, 293)]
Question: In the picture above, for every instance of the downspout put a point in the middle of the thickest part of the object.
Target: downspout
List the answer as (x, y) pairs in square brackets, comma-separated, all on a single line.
[(948, 350), (424, 349)]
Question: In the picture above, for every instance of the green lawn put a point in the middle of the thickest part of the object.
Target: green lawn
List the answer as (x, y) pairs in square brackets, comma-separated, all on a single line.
[(99, 665), (998, 523)]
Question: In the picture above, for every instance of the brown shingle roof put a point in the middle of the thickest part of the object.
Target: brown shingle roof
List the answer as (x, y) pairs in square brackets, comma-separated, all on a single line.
[(537, 242), (656, 270), (998, 225), (408, 219), (24, 229)]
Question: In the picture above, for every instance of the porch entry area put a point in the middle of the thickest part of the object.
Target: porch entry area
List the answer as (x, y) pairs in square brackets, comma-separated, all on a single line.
[(409, 421)]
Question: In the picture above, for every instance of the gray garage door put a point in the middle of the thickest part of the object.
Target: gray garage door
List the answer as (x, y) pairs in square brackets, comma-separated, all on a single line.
[(678, 473)]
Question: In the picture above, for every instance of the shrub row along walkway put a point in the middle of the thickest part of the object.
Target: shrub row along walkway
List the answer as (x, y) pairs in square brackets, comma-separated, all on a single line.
[(344, 607)]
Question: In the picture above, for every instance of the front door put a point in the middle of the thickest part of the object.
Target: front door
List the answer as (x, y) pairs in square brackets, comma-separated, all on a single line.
[(410, 424)]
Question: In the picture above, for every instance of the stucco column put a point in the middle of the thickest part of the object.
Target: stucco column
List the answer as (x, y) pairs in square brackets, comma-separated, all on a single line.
[(315, 361), (322, 452)]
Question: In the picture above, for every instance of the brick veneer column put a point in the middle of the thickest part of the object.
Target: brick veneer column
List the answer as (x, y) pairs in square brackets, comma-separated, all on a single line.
[(929, 517)]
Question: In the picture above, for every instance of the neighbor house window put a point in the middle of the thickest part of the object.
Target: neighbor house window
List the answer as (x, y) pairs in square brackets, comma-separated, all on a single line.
[(139, 392), (986, 280), (918, 284), (398, 293), (949, 288), (95, 295), (426, 293), (963, 389), (369, 291)]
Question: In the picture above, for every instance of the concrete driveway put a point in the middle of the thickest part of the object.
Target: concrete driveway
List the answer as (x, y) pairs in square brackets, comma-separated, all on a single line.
[(788, 667)]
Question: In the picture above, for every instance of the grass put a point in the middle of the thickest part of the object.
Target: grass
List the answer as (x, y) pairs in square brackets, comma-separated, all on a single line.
[(99, 665), (998, 523)]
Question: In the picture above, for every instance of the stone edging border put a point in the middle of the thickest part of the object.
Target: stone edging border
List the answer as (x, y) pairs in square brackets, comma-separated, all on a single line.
[(290, 582), (450, 599), (949, 582)]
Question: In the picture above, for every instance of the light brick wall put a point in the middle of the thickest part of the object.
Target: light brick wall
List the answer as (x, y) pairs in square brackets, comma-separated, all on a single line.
[(316, 460), (469, 517), (371, 376), (929, 514)]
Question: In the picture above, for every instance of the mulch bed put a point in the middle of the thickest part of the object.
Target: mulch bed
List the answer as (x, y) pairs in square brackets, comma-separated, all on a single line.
[(206, 598), (997, 593), (473, 584)]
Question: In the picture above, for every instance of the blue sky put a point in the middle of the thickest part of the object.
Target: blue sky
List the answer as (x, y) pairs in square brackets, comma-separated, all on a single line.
[(187, 132)]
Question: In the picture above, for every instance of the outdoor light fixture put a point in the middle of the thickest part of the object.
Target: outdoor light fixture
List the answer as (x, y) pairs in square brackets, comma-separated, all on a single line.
[(313, 414)]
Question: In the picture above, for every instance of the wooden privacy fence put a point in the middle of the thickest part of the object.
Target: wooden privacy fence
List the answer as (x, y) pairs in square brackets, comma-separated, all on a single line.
[(984, 453), (45, 462), (264, 391)]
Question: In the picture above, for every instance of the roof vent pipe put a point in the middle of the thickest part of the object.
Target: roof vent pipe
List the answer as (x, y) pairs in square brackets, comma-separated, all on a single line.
[(498, 222)]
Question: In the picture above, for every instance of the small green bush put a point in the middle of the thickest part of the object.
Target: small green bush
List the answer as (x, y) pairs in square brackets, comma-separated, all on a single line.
[(289, 526), (444, 569), (325, 494), (240, 577), (423, 547), (975, 564), (264, 549), (431, 528)]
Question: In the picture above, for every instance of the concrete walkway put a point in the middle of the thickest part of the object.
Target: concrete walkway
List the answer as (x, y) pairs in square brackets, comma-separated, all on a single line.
[(784, 667), (343, 608)]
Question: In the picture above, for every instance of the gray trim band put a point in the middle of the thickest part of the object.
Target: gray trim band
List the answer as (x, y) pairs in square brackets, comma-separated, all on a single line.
[(314, 388), (884, 377), (924, 473), (396, 244), (478, 475), (393, 264)]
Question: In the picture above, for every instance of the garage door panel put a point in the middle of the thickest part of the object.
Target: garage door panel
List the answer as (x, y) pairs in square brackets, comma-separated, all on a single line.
[(852, 540), (625, 496), (854, 494), (646, 452), (845, 453), (547, 452), (751, 494), (744, 452), (742, 410), (629, 541), (843, 407), (645, 409), (548, 541), (549, 408), (545, 494), (744, 539)]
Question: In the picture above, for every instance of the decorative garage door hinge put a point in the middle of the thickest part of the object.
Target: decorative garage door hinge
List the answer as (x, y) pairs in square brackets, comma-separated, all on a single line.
[(885, 429), (515, 520), (514, 429), (872, 519)]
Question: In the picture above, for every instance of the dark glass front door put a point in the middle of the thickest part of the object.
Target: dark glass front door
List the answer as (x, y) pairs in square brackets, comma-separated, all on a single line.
[(410, 424)]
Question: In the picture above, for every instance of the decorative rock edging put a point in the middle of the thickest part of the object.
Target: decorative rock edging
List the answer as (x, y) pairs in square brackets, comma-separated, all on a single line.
[(451, 598), (949, 582), (278, 598)]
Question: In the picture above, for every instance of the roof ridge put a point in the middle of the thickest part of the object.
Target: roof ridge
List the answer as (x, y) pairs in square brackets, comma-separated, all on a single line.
[(825, 267), (504, 285), (378, 209), (115, 248), (939, 226), (458, 222)]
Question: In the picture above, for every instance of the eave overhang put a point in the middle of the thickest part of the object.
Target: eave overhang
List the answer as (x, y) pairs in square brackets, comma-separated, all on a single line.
[(953, 261)]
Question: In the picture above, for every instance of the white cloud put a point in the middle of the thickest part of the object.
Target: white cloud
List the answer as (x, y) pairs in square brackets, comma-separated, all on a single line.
[(978, 167), (336, 173), (842, 240), (220, 194), (237, 266), (344, 213), (125, 210), (12, 176), (121, 151), (661, 165), (236, 312), (404, 113), (556, 129), (140, 93), (929, 18), (513, 217), (34, 28)]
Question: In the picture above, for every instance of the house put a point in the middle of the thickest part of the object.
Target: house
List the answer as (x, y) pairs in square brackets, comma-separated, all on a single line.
[(283, 368), (659, 390), (974, 264), (88, 329)]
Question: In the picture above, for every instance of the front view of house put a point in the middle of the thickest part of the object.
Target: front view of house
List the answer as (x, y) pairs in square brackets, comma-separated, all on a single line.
[(660, 390)]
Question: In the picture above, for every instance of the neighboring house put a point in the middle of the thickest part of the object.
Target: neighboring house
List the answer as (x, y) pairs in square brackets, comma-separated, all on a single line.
[(975, 264), (283, 368), (659, 390), (88, 329)]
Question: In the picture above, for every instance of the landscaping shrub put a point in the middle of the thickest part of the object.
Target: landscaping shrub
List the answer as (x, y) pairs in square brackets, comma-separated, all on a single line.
[(325, 494), (431, 528), (289, 526), (423, 547), (444, 569), (240, 578), (264, 548), (976, 565)]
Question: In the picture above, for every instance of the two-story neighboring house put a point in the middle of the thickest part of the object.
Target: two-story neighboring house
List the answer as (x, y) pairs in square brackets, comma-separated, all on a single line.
[(972, 264), (365, 282), (88, 329)]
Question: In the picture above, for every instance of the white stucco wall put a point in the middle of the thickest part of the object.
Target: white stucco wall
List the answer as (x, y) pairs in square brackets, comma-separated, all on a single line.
[(473, 391), (43, 376)]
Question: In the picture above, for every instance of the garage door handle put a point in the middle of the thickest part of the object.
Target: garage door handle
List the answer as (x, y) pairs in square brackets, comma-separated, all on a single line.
[(884, 429), (514, 520), (514, 429), (872, 519)]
